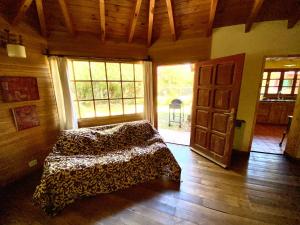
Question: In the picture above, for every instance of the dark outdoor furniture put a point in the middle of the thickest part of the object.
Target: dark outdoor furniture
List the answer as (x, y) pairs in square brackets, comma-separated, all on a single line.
[(176, 112), (287, 129)]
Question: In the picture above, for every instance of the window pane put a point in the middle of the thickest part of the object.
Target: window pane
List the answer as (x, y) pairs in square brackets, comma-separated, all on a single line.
[(296, 90), (84, 90), (287, 83), (298, 75), (81, 70), (128, 89), (262, 90), (289, 74), (139, 88), (98, 70), (86, 109), (264, 82), (274, 83), (72, 90), (139, 72), (129, 106), (139, 105), (272, 90), (100, 90), (275, 75), (114, 89), (286, 90), (116, 107), (70, 68), (127, 71), (102, 108), (298, 82), (265, 76), (113, 71)]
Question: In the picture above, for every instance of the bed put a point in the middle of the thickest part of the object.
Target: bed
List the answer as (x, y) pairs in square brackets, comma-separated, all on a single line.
[(89, 161)]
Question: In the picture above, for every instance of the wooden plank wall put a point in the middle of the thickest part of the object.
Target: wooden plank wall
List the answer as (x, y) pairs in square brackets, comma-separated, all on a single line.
[(180, 51), (17, 149)]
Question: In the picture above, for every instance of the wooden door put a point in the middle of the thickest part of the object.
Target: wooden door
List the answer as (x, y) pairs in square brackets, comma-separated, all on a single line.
[(216, 95)]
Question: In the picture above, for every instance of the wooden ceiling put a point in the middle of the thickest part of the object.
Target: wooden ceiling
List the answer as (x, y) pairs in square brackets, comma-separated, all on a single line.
[(145, 21)]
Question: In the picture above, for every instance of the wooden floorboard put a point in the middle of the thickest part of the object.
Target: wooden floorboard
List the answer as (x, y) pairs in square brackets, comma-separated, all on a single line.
[(259, 189)]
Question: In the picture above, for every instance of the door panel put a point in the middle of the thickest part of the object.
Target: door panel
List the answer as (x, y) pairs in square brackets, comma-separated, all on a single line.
[(203, 97), (202, 118), (216, 93)]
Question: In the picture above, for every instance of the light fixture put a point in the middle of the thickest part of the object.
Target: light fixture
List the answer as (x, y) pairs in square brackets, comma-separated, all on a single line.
[(290, 65), (13, 44)]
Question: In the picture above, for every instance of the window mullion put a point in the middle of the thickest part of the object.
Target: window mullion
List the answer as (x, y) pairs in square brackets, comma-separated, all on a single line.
[(92, 88), (75, 85), (134, 87), (121, 77), (107, 89)]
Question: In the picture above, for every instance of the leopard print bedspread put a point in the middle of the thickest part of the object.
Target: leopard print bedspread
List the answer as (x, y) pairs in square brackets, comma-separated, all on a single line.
[(89, 161)]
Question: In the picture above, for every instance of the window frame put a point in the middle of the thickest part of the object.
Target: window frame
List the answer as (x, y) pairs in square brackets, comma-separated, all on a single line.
[(282, 71), (110, 118)]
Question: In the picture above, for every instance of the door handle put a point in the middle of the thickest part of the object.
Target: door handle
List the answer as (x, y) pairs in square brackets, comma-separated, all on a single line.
[(231, 113)]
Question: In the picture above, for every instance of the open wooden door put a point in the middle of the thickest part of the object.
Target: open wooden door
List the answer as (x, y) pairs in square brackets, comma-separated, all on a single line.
[(216, 95)]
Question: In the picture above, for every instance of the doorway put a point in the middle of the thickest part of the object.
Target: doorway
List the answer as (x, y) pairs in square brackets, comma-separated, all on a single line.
[(278, 92), (174, 102)]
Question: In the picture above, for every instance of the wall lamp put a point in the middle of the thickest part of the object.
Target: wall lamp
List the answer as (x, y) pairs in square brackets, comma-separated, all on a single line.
[(13, 44)]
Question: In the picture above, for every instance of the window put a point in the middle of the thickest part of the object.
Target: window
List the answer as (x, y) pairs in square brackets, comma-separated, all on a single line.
[(102, 89), (280, 83)]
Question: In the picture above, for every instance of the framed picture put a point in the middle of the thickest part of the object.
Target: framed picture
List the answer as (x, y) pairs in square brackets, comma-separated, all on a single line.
[(17, 89), (25, 117)]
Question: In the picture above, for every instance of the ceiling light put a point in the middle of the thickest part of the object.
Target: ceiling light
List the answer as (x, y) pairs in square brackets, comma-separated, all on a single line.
[(290, 65)]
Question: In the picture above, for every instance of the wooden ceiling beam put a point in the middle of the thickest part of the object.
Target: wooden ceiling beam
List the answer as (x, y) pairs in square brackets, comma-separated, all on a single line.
[(24, 6), (102, 18), (254, 12), (212, 13), (171, 19), (294, 15), (150, 21), (41, 15), (134, 19), (66, 15)]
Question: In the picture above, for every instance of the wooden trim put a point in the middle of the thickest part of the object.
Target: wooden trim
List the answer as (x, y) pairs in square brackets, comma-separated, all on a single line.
[(41, 15), (24, 6), (134, 19), (171, 19), (150, 21), (212, 13), (254, 12), (97, 121), (102, 18), (66, 15)]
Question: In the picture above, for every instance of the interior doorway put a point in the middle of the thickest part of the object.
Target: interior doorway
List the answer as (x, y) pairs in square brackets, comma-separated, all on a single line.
[(174, 102), (279, 89)]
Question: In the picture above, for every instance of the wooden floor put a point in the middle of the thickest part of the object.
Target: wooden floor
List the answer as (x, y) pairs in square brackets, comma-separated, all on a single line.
[(262, 190), (266, 138)]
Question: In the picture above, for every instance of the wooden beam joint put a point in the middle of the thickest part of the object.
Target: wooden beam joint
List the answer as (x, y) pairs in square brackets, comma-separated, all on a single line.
[(134, 19), (24, 6), (171, 19), (212, 13), (253, 15)]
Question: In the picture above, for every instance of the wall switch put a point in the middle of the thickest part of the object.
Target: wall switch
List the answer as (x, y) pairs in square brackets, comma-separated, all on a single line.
[(32, 163)]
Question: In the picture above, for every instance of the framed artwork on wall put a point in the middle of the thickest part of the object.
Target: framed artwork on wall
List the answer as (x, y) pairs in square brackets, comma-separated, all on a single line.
[(25, 117), (17, 89)]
